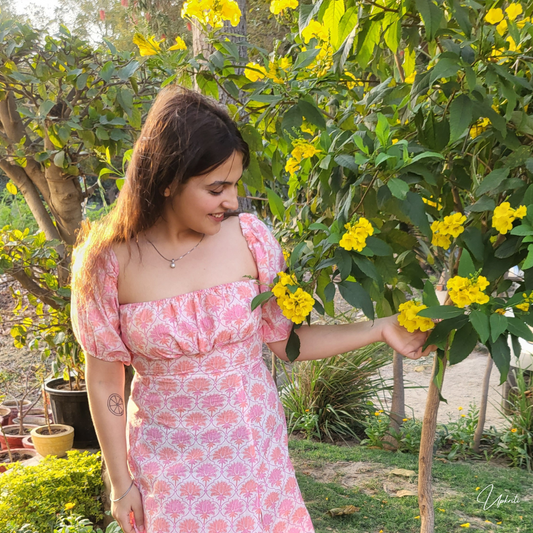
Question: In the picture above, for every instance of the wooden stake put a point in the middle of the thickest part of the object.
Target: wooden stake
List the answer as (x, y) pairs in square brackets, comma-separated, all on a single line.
[(483, 406)]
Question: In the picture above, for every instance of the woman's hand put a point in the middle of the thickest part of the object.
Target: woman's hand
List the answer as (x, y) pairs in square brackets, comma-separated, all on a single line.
[(405, 343), (129, 510)]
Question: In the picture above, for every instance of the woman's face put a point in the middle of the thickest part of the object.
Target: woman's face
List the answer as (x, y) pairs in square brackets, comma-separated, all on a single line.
[(202, 198)]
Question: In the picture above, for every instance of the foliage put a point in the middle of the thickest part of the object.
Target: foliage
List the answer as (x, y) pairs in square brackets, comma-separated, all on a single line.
[(328, 398), (516, 443), (14, 211), (414, 116), (460, 434), (34, 495), (74, 524)]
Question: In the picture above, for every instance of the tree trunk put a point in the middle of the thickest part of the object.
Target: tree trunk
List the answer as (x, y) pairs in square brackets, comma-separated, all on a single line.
[(397, 412), (425, 458), (483, 406)]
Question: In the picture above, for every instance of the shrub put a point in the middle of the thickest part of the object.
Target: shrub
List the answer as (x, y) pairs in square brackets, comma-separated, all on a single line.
[(35, 495), (517, 442), (74, 524), (330, 397)]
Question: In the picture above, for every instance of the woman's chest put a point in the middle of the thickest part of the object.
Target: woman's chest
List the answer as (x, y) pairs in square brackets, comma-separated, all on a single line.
[(192, 323)]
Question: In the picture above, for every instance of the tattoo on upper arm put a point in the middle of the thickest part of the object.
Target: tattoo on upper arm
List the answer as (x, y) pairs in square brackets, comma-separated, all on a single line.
[(115, 404)]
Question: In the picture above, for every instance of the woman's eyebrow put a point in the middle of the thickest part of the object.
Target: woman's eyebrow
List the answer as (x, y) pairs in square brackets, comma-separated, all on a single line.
[(216, 183)]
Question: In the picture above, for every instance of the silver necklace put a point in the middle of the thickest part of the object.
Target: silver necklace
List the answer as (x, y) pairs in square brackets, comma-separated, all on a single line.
[(173, 261)]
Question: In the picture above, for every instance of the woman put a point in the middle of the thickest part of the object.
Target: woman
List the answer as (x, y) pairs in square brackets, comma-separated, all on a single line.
[(165, 282)]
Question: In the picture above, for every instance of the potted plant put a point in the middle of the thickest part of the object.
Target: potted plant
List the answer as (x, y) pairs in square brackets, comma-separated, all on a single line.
[(52, 439), (5, 414)]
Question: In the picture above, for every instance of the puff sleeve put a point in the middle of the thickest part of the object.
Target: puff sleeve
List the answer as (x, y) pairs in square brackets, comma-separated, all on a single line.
[(270, 261), (95, 317)]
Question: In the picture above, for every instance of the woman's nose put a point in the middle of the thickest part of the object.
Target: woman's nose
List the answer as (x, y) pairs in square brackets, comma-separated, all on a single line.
[(231, 200)]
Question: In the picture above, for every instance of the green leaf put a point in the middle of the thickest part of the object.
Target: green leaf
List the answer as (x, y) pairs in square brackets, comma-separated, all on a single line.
[(107, 71), (383, 130), (347, 23), (398, 188), (460, 116), (312, 114), (429, 297), (293, 346), (518, 328), (59, 159), (446, 67), (260, 298), (439, 334), (473, 239), (528, 262), (322, 282), (304, 60), (276, 204), (368, 268), (501, 354), (45, 108), (128, 71), (413, 207), (480, 321), (441, 311), (492, 181), (466, 265), (485, 203), (378, 246), (292, 119), (331, 20), (346, 161), (463, 344), (356, 296), (425, 155), (431, 15), (498, 324)]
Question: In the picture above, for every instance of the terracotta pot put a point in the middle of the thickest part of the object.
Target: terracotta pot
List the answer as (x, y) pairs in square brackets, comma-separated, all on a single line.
[(55, 444), (13, 406), (5, 413), (14, 439), (4, 456), (27, 443)]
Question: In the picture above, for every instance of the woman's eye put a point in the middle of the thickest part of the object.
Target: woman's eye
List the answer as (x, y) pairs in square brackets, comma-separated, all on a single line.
[(215, 193)]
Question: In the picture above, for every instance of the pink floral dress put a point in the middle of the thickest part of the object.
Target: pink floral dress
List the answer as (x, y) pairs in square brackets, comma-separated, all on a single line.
[(207, 438)]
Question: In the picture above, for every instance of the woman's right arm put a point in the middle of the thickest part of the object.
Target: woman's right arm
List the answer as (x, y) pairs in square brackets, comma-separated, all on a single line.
[(105, 388)]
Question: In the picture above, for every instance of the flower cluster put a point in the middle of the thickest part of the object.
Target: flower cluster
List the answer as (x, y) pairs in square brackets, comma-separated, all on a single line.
[(451, 226), (302, 150), (504, 216), (315, 30), (466, 291), (212, 12), (256, 72), (479, 127), (356, 236), (495, 15), (147, 46), (294, 305), (528, 300), (277, 6), (409, 319)]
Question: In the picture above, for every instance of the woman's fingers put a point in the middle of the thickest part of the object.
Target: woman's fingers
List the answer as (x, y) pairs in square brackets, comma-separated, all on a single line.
[(138, 517), (124, 521)]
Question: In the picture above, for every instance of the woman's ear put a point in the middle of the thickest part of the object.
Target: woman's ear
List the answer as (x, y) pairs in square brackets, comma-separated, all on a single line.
[(166, 193)]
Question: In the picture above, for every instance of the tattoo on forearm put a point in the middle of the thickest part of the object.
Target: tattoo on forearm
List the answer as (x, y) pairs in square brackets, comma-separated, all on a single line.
[(115, 404)]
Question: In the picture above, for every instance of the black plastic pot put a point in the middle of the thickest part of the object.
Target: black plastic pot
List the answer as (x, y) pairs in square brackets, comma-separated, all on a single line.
[(71, 407)]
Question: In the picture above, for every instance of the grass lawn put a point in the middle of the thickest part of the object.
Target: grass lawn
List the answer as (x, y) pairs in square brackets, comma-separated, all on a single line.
[(335, 476)]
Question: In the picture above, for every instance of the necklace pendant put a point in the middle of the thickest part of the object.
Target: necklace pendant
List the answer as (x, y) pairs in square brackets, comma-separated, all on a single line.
[(172, 264)]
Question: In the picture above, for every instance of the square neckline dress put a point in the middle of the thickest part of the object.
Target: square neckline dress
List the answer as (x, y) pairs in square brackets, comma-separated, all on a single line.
[(206, 431)]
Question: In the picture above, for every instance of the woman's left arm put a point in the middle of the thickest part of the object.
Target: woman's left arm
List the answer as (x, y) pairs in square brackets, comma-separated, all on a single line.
[(322, 341)]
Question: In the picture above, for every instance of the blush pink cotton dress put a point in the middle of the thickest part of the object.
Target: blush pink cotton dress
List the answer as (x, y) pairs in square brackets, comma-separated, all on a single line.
[(206, 432)]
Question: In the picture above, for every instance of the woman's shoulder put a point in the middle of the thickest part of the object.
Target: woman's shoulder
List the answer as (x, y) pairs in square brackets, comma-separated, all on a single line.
[(254, 225)]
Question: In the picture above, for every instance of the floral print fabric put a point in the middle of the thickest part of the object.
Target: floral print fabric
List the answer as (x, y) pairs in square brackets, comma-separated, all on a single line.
[(207, 439)]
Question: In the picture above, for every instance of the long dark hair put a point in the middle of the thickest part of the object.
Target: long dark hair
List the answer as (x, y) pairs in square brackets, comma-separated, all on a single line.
[(186, 134)]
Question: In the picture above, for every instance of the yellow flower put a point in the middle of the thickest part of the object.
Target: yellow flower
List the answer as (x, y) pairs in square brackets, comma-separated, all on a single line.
[(69, 506), (512, 45), (277, 6), (500, 311), (405, 419), (521, 23), (180, 44), (504, 216), (513, 430), (460, 408), (494, 16), (451, 226), (501, 28), (303, 150), (355, 237), (308, 128), (212, 14), (463, 416), (514, 10), (479, 128), (523, 307), (292, 166), (465, 525), (411, 78), (147, 46), (314, 29), (286, 255), (409, 318), (465, 291), (255, 72), (296, 306), (352, 84)]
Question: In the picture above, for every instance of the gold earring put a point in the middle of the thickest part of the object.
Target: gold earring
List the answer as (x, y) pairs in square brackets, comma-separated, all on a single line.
[(167, 192)]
